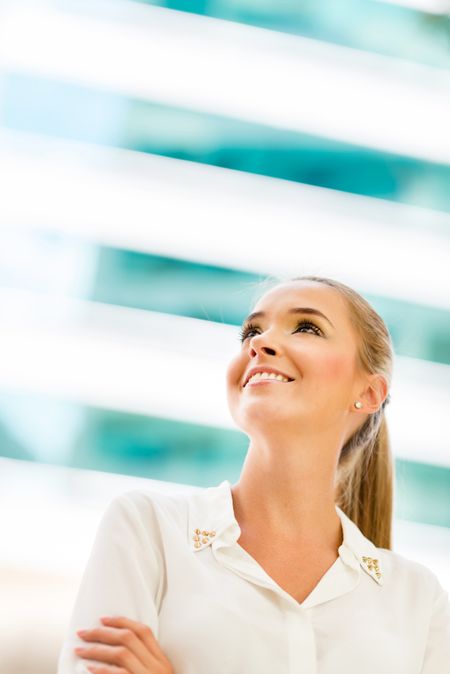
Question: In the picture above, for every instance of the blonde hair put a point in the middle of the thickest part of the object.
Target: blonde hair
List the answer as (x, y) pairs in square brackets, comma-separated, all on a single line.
[(366, 472)]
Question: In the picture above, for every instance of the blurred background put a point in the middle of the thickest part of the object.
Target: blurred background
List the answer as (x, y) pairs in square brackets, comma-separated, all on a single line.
[(158, 160)]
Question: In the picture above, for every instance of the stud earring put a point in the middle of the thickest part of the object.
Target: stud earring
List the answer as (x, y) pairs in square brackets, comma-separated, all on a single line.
[(358, 404)]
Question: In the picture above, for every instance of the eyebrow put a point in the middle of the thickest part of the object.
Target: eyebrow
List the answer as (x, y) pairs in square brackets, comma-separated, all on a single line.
[(294, 310)]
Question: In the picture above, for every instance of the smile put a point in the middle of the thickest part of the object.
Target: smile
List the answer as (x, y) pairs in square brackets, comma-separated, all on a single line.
[(267, 377)]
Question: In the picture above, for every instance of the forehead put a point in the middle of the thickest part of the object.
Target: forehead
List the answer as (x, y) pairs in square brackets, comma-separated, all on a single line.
[(305, 294)]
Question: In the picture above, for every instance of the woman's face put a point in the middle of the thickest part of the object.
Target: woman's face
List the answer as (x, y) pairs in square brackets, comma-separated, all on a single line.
[(317, 352)]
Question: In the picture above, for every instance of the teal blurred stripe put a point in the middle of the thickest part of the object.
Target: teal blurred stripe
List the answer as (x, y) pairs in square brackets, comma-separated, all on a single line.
[(224, 295), (378, 27), (423, 493), (68, 111), (175, 451), (210, 292)]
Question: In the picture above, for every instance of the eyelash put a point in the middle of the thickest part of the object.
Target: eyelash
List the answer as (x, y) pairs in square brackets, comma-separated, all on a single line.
[(244, 332)]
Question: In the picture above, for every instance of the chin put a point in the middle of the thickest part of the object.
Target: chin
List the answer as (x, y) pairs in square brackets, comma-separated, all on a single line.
[(262, 414)]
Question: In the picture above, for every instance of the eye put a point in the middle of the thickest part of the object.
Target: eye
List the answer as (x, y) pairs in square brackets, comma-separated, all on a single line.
[(250, 327), (309, 324), (246, 330)]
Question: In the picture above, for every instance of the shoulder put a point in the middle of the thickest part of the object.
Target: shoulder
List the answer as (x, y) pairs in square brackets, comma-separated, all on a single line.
[(148, 508), (410, 569), (419, 599), (409, 575)]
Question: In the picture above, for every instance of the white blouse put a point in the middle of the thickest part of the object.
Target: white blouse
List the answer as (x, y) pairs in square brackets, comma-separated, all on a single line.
[(214, 610)]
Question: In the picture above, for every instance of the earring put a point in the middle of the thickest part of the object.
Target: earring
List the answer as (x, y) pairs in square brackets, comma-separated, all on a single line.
[(358, 404)]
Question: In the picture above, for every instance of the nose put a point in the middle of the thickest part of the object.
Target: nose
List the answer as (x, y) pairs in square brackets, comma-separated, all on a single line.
[(258, 344)]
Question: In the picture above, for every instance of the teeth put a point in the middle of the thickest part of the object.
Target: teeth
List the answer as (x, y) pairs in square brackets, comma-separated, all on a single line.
[(267, 375)]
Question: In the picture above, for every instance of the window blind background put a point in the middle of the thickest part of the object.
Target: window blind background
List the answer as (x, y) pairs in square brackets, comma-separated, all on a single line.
[(157, 161)]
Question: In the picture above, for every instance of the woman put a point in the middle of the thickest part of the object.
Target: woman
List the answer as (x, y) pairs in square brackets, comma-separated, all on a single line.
[(289, 570)]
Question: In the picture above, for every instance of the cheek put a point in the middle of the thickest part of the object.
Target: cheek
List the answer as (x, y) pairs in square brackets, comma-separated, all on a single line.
[(335, 367), (234, 371)]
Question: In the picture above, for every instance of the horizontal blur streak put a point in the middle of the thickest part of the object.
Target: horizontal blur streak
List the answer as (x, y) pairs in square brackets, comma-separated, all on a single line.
[(235, 70), (147, 203), (428, 6), (174, 367)]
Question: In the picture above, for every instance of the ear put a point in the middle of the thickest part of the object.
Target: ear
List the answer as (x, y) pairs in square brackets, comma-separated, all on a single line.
[(374, 394)]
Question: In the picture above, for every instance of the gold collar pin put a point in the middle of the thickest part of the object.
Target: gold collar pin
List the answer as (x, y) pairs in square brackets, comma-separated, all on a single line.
[(202, 537)]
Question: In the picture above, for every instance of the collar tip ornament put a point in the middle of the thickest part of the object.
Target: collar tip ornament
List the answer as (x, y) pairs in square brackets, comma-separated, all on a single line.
[(201, 538), (371, 565)]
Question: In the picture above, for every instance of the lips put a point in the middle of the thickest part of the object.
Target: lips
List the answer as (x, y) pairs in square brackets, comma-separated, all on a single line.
[(262, 368)]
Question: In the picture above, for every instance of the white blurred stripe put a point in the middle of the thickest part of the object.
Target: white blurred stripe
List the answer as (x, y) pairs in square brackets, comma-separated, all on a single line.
[(427, 6), (225, 68), (148, 203), (67, 505), (428, 544), (114, 357), (175, 367)]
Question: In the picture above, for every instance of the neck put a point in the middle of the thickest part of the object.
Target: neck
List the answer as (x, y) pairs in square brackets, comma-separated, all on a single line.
[(289, 495)]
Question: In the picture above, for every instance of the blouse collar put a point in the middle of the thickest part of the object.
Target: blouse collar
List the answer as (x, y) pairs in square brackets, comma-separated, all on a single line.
[(212, 522)]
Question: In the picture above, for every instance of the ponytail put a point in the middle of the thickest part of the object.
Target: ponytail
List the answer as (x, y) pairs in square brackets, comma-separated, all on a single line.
[(365, 480)]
